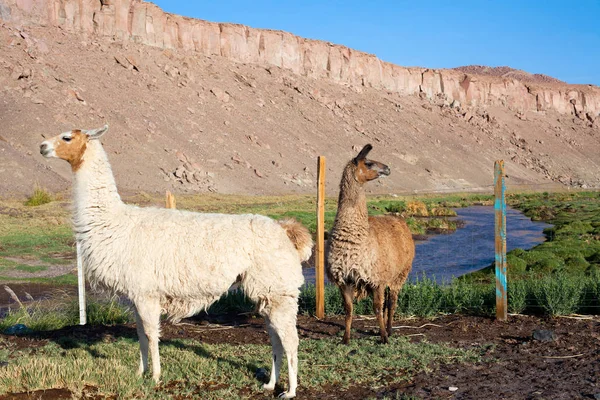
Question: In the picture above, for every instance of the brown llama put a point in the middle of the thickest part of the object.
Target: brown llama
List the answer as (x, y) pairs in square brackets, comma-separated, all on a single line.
[(366, 254)]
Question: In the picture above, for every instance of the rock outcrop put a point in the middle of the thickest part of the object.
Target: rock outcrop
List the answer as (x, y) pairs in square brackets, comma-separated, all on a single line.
[(146, 23)]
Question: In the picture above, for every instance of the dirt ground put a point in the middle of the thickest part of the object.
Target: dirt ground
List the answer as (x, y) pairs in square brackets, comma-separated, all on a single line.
[(515, 366)]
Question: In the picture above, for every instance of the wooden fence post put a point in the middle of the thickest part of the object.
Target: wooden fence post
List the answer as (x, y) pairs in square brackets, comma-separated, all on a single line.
[(81, 287), (500, 239), (170, 200), (320, 249)]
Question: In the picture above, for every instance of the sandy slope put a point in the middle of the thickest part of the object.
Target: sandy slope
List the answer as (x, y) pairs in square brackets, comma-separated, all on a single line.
[(190, 123)]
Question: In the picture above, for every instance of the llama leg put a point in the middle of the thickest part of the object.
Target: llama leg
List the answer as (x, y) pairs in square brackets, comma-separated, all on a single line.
[(277, 356), (392, 304), (378, 300), (283, 321), (149, 313), (348, 295), (143, 344)]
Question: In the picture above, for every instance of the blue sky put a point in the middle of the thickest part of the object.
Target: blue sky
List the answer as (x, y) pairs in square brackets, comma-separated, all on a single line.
[(556, 38)]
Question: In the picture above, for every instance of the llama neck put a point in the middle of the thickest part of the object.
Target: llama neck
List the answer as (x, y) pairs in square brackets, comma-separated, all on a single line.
[(94, 189), (352, 211)]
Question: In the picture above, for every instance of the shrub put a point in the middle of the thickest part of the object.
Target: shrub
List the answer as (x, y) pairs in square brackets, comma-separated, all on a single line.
[(109, 312), (232, 302), (576, 263), (417, 209), (463, 296), (442, 212), (39, 197), (422, 298), (396, 207), (518, 293), (543, 262), (559, 294), (515, 265)]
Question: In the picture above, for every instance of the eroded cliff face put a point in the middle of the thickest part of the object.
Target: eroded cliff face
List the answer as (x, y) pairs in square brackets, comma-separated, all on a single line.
[(142, 22)]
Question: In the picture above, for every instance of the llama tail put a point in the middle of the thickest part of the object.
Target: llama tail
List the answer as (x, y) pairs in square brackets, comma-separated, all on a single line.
[(299, 235)]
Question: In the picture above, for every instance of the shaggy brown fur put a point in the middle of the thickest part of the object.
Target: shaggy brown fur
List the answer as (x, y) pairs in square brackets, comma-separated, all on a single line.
[(367, 254)]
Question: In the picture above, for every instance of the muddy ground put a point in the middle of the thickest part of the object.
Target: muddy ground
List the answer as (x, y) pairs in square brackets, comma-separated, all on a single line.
[(516, 366)]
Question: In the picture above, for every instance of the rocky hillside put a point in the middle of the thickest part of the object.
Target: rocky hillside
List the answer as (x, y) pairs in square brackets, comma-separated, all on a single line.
[(508, 73), (231, 120)]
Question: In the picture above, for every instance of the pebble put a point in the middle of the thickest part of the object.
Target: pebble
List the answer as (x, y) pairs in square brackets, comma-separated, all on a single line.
[(544, 335)]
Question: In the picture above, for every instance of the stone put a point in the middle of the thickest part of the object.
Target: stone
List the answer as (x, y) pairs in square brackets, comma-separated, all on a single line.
[(455, 104), (123, 62), (133, 62), (261, 375), (544, 335), (18, 329), (220, 94), (179, 171)]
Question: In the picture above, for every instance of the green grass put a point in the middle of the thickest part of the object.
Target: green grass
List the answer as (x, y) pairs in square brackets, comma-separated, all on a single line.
[(39, 236), (63, 310), (572, 244), (43, 234), (192, 368)]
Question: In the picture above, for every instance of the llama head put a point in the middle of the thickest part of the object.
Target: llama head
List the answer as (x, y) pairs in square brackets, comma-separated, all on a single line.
[(366, 170), (70, 146)]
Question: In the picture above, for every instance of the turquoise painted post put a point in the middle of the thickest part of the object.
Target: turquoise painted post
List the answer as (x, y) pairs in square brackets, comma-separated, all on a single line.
[(500, 225)]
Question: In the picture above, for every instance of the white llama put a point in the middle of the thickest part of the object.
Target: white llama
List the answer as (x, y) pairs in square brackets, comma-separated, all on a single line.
[(179, 262)]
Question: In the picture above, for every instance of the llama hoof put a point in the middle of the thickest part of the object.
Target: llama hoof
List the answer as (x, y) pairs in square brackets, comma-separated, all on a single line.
[(267, 386), (384, 340), (345, 340), (287, 395)]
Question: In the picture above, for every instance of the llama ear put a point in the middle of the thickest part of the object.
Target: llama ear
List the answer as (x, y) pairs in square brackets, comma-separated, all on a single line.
[(96, 133), (363, 153)]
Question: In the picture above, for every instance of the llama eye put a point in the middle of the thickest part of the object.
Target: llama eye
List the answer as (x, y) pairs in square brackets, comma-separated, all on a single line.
[(67, 139)]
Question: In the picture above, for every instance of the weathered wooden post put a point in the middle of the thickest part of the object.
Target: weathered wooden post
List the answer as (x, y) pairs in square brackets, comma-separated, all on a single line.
[(320, 249), (170, 200), (500, 238), (81, 287)]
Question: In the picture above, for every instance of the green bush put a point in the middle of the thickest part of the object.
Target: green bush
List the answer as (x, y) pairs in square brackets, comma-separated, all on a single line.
[(574, 228), (576, 263), (518, 293), (232, 302), (39, 197), (110, 312), (395, 207), (559, 294), (464, 297), (543, 262), (515, 265), (422, 298)]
